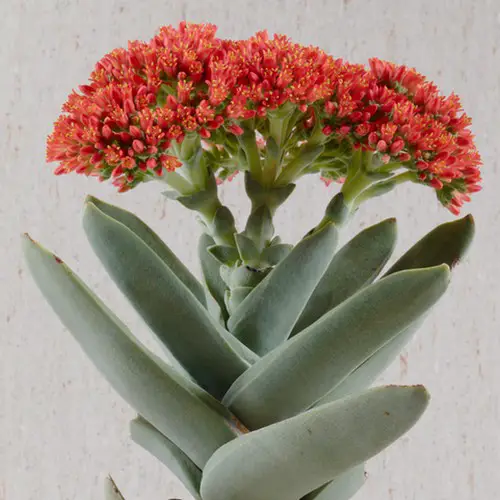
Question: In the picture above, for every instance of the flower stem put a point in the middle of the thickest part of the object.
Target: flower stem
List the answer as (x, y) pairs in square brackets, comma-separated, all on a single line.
[(303, 158), (249, 145), (178, 182)]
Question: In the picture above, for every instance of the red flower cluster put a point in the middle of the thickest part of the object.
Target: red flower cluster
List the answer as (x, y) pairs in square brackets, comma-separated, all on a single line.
[(141, 101), (396, 112)]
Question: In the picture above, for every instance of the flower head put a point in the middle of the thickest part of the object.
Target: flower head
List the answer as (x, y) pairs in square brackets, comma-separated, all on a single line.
[(129, 121), (400, 116), (140, 103)]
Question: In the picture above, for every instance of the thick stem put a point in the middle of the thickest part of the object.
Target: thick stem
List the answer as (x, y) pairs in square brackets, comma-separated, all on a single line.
[(248, 143)]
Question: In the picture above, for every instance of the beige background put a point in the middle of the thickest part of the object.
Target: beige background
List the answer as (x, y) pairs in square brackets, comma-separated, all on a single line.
[(62, 428)]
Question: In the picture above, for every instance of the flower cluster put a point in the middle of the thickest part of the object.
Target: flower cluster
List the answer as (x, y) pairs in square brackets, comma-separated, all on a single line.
[(140, 103), (396, 112), (128, 123)]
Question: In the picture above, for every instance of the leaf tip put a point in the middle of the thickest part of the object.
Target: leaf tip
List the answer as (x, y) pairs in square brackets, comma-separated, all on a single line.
[(91, 199)]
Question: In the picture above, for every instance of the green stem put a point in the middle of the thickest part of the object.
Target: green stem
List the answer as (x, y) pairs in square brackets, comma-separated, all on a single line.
[(249, 145), (302, 159), (353, 187), (403, 177), (388, 167), (178, 182)]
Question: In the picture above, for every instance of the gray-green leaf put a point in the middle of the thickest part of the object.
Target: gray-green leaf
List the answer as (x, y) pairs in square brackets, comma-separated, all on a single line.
[(354, 266), (145, 435), (179, 321), (192, 419), (343, 487), (445, 244), (294, 457), (152, 240), (274, 254), (266, 317), (315, 361), (247, 249), (210, 268), (366, 373)]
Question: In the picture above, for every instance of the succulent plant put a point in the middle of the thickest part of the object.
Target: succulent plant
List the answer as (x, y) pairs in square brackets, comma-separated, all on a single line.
[(264, 390)]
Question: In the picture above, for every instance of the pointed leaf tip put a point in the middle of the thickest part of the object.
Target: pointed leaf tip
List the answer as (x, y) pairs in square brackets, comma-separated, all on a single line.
[(353, 267), (446, 243), (111, 491)]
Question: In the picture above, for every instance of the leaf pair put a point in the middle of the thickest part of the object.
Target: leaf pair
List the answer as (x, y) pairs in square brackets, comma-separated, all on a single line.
[(360, 261), (268, 314), (179, 409), (447, 243), (204, 349)]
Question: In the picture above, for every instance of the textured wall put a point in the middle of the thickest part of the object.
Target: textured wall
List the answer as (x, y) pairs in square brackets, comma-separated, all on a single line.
[(62, 428)]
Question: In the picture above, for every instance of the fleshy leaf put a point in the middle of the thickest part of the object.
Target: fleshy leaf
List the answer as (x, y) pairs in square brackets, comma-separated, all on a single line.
[(179, 321), (224, 254), (315, 361), (236, 296), (173, 404), (366, 373), (296, 456), (354, 266), (445, 244), (247, 250), (111, 491), (266, 317), (153, 241), (210, 268), (145, 435), (274, 254), (260, 227), (343, 487)]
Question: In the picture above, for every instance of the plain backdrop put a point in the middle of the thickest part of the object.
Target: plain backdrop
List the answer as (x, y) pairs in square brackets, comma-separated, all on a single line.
[(62, 427)]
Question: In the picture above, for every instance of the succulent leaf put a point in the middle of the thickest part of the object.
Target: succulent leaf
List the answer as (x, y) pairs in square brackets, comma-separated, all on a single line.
[(210, 268), (266, 317), (366, 373), (236, 296), (445, 244), (342, 487), (274, 254), (111, 491), (179, 321), (248, 251), (145, 435), (153, 241), (296, 456), (260, 227), (270, 197), (315, 361), (225, 254), (173, 404), (354, 266)]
